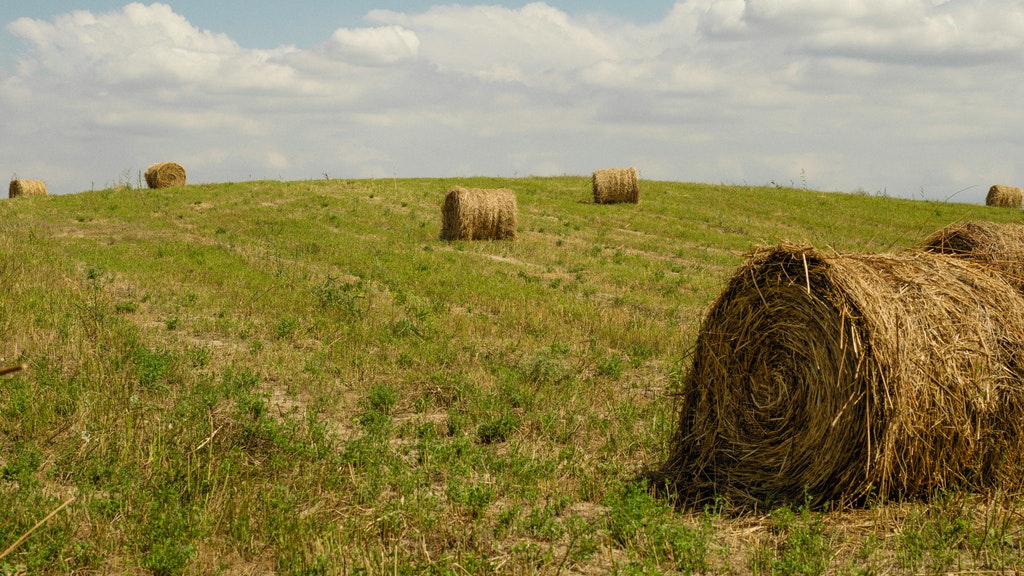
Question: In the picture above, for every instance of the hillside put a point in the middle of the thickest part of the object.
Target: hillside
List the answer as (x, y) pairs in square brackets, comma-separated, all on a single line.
[(300, 378)]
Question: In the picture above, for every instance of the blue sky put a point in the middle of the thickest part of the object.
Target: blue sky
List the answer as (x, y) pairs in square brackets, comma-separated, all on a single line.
[(270, 23), (916, 98)]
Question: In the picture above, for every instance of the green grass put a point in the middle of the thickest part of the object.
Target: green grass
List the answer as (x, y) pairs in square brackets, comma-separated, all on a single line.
[(299, 378)]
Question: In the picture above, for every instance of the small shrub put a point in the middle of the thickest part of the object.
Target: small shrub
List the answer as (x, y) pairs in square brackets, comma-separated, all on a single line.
[(382, 398), (498, 429), (547, 366), (151, 366), (286, 327), (126, 307), (475, 498), (611, 367)]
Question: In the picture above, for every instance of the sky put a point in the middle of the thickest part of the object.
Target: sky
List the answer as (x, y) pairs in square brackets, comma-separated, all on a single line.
[(907, 98)]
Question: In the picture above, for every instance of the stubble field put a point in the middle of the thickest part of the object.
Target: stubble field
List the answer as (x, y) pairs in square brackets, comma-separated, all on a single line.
[(300, 378)]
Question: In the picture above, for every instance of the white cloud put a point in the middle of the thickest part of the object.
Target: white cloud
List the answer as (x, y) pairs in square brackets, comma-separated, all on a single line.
[(373, 46), (138, 41), (146, 47), (535, 45), (872, 94), (903, 31)]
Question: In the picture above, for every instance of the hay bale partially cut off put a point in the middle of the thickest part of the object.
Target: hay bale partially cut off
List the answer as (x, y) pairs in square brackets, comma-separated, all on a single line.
[(616, 185), (1004, 196), (165, 175), (997, 246), (850, 375), (479, 214), (26, 188)]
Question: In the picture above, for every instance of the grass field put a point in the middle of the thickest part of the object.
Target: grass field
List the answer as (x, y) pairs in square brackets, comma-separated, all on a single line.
[(300, 378)]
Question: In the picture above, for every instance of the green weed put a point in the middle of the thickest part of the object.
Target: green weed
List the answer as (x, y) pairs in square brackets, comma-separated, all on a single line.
[(645, 526)]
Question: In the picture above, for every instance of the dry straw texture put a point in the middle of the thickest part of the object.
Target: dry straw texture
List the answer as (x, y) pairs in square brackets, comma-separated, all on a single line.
[(616, 185), (479, 214), (26, 188), (997, 246), (1004, 196), (165, 175), (853, 375)]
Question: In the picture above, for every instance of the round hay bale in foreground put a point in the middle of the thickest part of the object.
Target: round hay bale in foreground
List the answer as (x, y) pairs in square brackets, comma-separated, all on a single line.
[(1004, 196), (26, 188), (853, 375), (997, 246), (165, 175), (616, 185), (479, 214)]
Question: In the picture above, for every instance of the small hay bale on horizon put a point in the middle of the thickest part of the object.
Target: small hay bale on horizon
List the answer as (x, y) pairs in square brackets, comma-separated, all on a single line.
[(994, 245), (616, 185), (843, 377), (26, 188), (479, 214), (1004, 196), (165, 175)]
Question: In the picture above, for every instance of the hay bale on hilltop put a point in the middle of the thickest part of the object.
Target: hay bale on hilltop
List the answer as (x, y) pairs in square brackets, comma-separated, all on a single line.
[(997, 246), (1004, 196), (851, 375), (616, 185), (26, 188), (165, 175), (479, 214)]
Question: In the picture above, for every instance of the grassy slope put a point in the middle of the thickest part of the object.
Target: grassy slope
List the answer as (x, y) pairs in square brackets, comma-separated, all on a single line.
[(300, 378)]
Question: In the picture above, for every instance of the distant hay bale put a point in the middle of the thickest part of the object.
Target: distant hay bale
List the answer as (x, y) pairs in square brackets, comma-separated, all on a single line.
[(479, 214), (165, 175), (616, 185), (853, 375), (1004, 196), (997, 246), (26, 188)]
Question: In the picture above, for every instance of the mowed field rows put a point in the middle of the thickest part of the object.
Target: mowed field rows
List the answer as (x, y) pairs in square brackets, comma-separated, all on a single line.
[(301, 378)]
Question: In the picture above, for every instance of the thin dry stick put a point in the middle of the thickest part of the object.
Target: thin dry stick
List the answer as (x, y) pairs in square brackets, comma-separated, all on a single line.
[(11, 369), (207, 441), (33, 529), (807, 274)]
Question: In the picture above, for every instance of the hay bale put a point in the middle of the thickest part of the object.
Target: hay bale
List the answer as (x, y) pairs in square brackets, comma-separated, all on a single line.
[(479, 214), (852, 375), (165, 175), (616, 185), (1004, 196), (26, 188), (997, 246)]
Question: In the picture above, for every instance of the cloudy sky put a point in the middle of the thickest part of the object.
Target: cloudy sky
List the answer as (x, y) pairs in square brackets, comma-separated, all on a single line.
[(910, 98)]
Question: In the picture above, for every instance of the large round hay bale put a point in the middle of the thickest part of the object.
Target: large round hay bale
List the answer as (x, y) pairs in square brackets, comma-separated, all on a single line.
[(616, 185), (479, 214), (1004, 196), (851, 375), (165, 175), (997, 246), (26, 188)]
